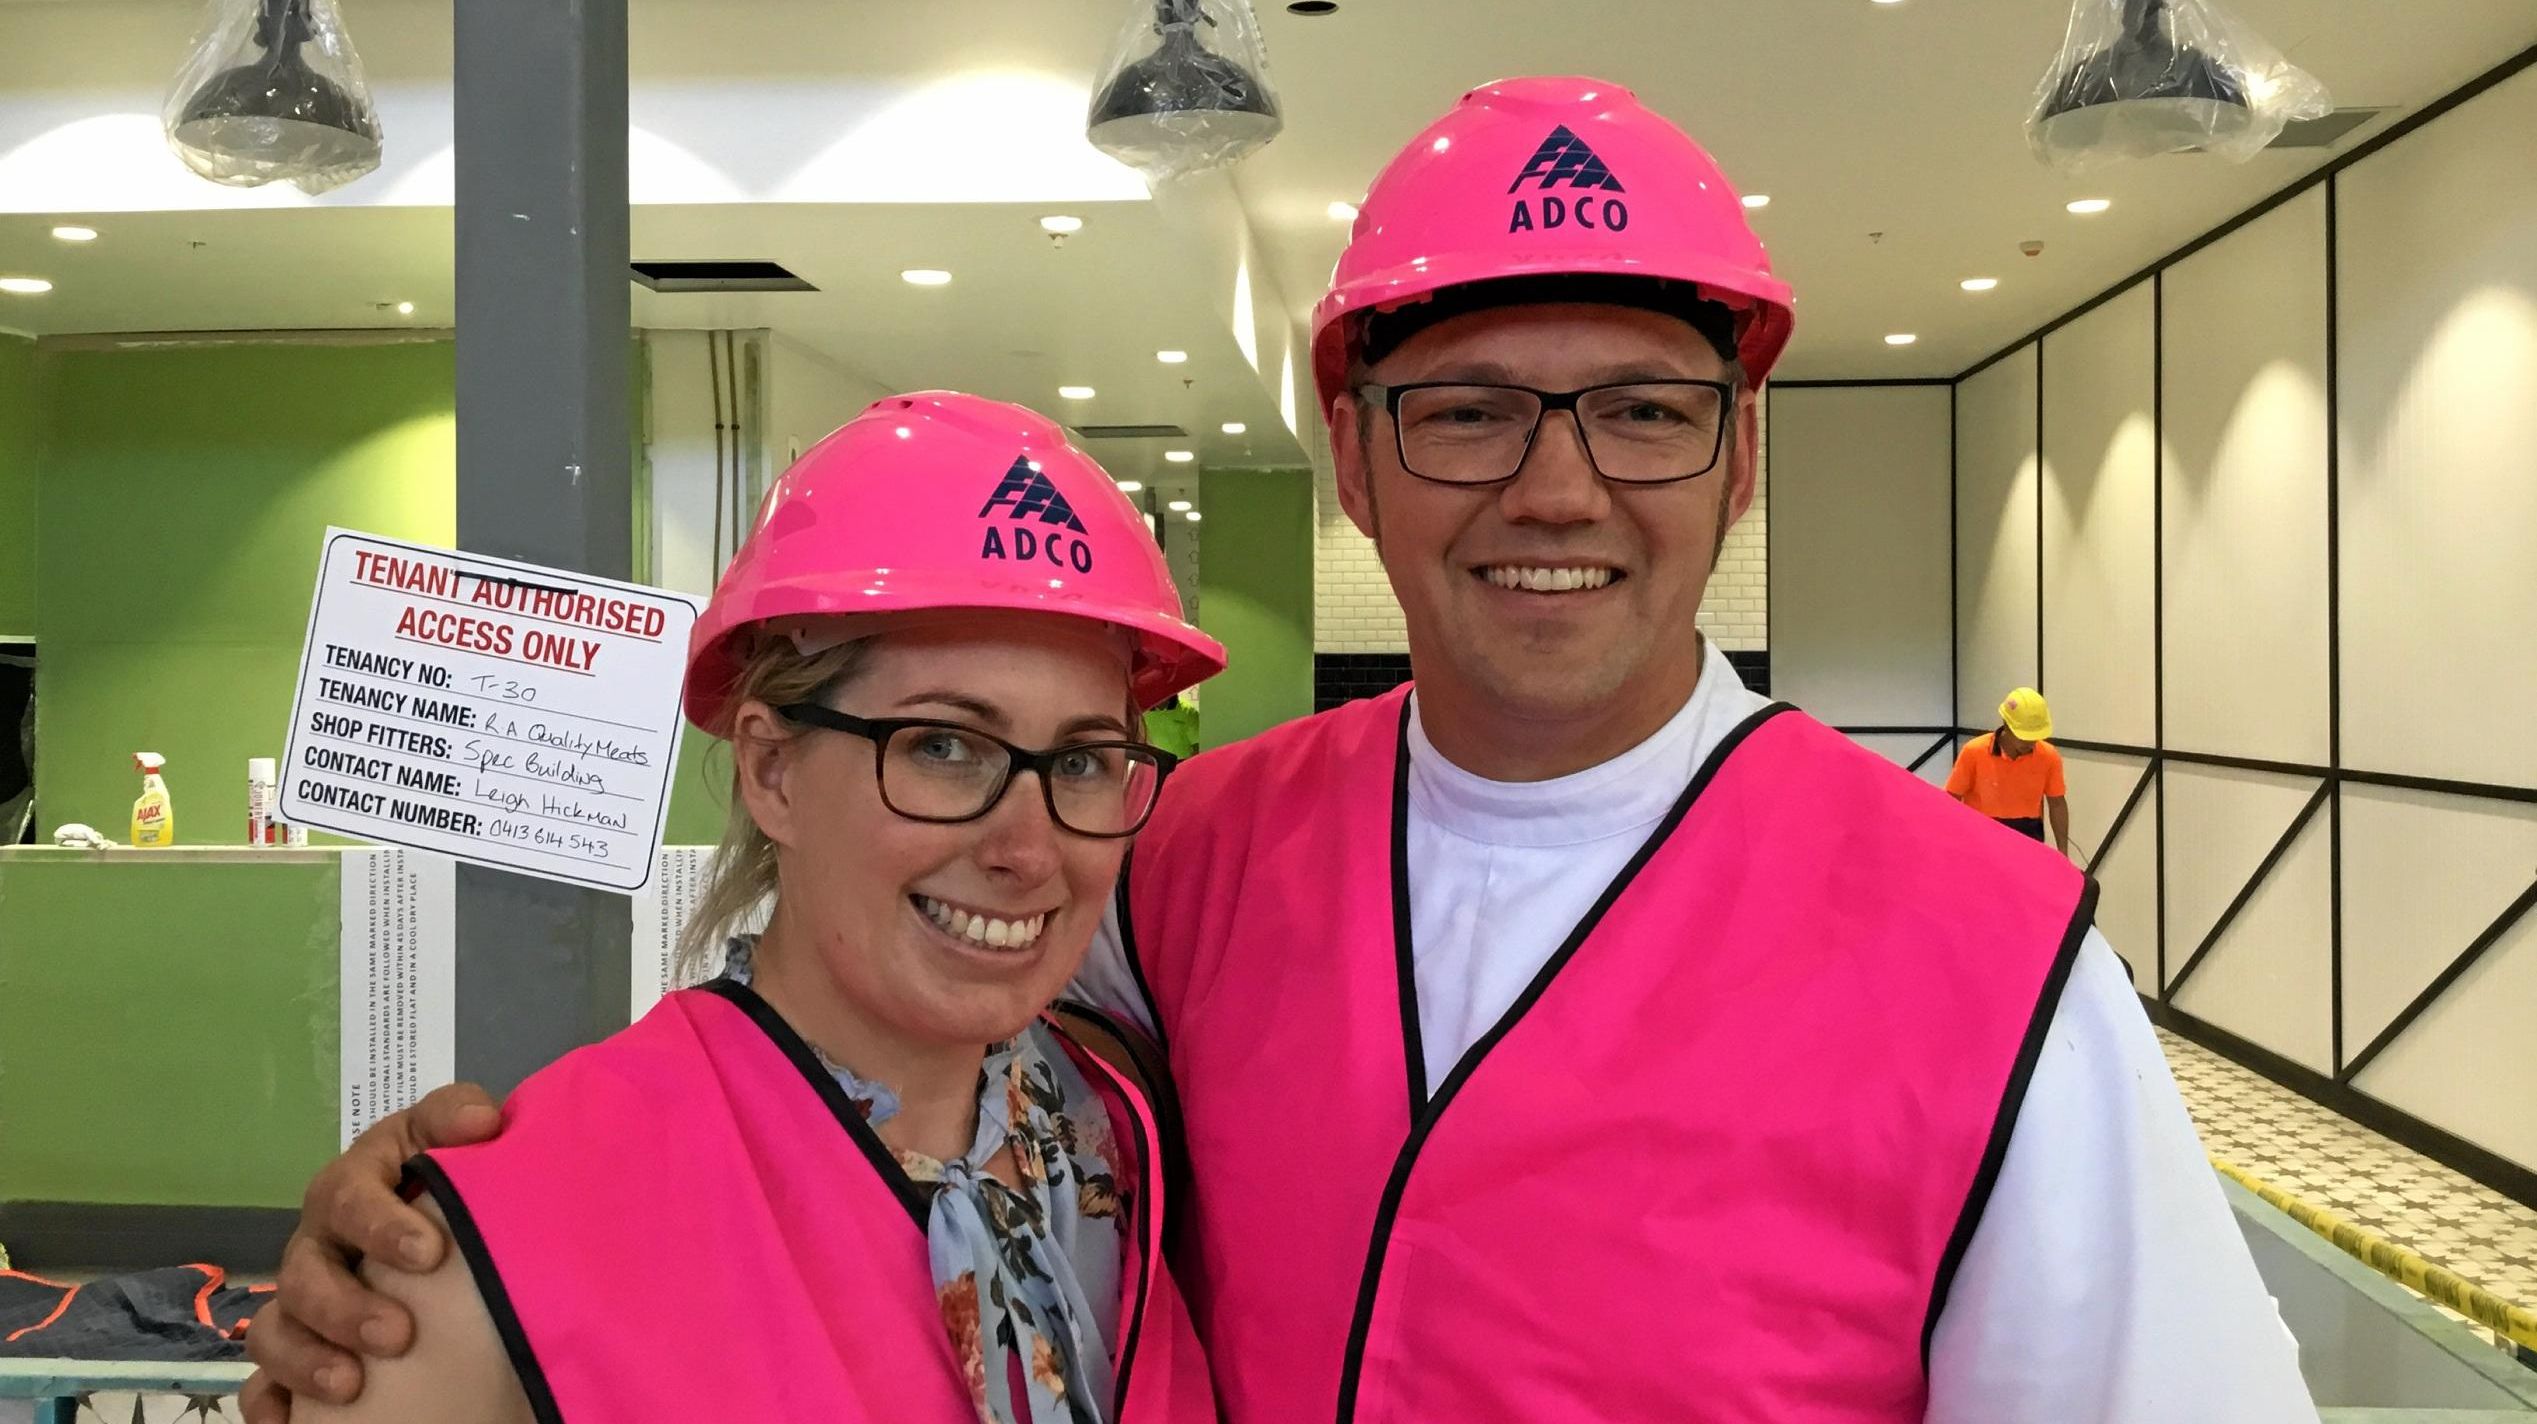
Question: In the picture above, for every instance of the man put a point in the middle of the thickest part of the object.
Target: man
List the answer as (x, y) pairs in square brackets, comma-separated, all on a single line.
[(1578, 1037), (2013, 775)]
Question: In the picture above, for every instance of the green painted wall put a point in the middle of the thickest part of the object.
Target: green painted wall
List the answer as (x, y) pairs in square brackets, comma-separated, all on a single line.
[(185, 494), (700, 794), (19, 406), (167, 1029), (1255, 594)]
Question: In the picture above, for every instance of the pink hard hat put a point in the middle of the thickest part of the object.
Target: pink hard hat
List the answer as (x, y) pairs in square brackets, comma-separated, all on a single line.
[(1546, 178), (945, 501)]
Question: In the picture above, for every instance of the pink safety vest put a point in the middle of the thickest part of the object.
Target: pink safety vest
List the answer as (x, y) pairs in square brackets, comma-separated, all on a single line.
[(1717, 1163), (691, 1220)]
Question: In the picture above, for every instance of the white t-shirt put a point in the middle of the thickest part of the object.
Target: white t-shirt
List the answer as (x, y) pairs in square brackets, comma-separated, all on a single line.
[(2107, 1282)]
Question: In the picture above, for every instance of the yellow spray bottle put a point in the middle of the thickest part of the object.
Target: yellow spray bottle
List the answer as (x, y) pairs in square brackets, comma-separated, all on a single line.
[(153, 815)]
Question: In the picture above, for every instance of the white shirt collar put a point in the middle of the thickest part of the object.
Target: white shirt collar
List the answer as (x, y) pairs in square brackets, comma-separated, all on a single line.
[(1627, 794)]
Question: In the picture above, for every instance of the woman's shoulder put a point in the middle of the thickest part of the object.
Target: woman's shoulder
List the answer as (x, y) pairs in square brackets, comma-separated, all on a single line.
[(1121, 1046), (457, 1370)]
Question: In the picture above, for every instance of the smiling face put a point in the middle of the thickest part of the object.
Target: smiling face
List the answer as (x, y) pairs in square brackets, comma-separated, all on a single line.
[(1557, 596), (929, 934)]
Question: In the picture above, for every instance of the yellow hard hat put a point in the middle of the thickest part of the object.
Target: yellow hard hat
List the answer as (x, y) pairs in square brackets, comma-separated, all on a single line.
[(2028, 716)]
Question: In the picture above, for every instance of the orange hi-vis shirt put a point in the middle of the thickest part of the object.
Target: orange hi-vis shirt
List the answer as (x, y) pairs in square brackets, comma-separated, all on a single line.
[(2006, 788)]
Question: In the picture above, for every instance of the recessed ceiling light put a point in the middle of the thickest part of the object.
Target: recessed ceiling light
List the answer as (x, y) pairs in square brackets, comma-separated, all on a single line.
[(25, 286), (1312, 7), (404, 308), (1171, 358), (1235, 427), (1131, 486), (1191, 516), (1901, 338), (76, 234), (2086, 206), (1076, 392), (926, 277), (1889, 2), (1179, 457), (1180, 506), (1757, 200), (1979, 284), (1343, 212), (1061, 224)]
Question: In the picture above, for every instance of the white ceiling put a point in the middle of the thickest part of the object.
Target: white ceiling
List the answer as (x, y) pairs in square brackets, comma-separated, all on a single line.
[(1022, 317), (1856, 118)]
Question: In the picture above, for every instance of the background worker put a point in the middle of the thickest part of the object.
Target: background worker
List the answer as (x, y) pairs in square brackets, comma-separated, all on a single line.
[(2013, 775)]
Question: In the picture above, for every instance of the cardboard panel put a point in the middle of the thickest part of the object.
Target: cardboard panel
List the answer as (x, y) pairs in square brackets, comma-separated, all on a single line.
[(1995, 534), (2100, 478)]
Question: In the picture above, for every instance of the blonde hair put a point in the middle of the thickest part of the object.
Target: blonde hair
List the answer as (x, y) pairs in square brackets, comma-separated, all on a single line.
[(743, 875)]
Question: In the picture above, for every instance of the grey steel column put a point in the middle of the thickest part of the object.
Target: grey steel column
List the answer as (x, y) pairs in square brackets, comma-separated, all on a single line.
[(545, 454)]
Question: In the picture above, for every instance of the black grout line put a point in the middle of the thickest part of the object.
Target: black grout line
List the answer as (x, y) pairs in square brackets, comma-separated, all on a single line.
[(2255, 882), (2158, 595), (1945, 742), (2122, 818), (2466, 960), (2334, 617)]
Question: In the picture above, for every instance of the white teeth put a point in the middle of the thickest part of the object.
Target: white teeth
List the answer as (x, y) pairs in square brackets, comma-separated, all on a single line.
[(983, 929), (1547, 580)]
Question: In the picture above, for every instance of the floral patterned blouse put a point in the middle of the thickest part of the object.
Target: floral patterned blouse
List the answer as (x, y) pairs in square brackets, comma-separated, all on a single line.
[(1027, 1279)]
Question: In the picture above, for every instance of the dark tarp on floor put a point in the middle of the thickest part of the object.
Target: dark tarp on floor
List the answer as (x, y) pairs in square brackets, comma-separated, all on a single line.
[(178, 1313)]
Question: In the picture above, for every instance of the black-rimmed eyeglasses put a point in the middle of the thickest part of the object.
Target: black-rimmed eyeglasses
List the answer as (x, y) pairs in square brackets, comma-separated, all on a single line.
[(944, 773), (1635, 432)]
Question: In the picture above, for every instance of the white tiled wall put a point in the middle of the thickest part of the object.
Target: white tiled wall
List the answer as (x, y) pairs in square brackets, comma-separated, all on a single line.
[(1354, 612), (1737, 610), (1353, 608)]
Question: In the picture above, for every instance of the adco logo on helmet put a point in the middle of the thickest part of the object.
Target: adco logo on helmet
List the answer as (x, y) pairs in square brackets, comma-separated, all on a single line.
[(1566, 158), (1026, 495)]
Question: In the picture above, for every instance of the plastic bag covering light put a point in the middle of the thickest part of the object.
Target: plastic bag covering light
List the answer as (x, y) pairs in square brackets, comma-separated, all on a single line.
[(2138, 78), (1186, 89), (272, 92)]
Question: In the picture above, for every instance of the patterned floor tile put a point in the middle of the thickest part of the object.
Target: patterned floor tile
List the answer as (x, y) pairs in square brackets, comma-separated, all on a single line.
[(2315, 1153)]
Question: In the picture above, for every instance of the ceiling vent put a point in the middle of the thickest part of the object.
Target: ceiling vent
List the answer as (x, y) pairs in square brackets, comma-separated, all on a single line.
[(719, 276), (1131, 432), (2325, 132)]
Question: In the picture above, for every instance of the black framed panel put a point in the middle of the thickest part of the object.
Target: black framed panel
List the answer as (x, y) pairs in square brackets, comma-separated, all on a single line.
[(2335, 776)]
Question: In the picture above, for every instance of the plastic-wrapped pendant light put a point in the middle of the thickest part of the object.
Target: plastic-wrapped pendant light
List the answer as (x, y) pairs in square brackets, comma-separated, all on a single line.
[(1186, 89), (2138, 78), (273, 93)]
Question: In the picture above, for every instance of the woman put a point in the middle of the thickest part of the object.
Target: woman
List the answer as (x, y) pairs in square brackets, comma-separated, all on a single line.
[(864, 1175), (2013, 775)]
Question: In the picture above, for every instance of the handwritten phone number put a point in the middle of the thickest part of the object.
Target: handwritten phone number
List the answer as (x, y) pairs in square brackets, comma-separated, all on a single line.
[(527, 834)]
